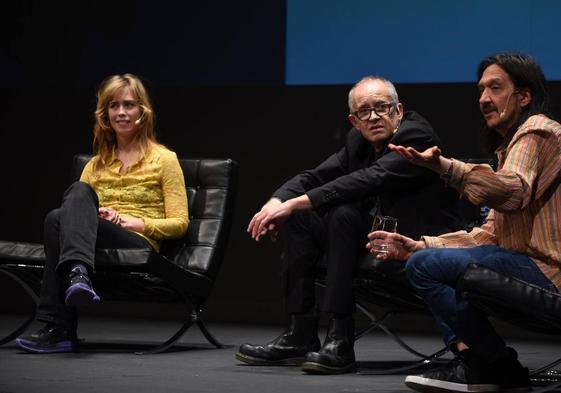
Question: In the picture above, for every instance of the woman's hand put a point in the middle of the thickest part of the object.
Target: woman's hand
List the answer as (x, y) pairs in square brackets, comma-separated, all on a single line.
[(398, 248), (128, 222), (430, 158), (132, 223), (109, 214)]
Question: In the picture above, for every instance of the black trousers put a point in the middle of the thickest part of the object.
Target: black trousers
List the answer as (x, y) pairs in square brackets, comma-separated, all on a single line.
[(334, 241), (71, 234)]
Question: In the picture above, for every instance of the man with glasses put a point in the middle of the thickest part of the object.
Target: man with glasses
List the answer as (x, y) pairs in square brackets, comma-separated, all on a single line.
[(325, 214)]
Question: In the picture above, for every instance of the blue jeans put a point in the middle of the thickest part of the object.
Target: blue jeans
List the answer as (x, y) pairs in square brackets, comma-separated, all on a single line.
[(434, 273)]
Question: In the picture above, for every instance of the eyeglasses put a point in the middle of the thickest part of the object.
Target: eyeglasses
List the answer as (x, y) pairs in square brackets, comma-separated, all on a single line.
[(380, 109)]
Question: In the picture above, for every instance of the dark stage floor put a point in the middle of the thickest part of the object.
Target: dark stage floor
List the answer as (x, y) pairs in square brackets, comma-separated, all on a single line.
[(107, 363)]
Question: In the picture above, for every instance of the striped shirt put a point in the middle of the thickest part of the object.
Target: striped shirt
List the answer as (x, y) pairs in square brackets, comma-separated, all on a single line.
[(524, 195)]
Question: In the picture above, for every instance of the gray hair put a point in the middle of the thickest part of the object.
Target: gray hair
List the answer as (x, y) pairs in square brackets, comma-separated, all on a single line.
[(373, 78)]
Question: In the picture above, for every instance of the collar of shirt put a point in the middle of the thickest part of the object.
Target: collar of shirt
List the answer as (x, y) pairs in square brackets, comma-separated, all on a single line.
[(151, 156)]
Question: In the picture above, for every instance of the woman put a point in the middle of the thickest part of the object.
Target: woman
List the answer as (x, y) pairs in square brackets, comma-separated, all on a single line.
[(131, 194)]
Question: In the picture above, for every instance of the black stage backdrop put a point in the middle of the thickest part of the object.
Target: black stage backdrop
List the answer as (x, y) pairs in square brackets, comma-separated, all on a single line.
[(216, 74)]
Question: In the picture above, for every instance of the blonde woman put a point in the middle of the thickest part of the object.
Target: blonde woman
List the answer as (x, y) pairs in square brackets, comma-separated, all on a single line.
[(131, 194)]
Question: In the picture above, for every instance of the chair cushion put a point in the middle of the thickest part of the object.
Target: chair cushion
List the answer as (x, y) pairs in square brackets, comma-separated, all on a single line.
[(143, 261), (511, 299), (145, 287), (368, 265), (33, 254), (21, 252), (124, 259)]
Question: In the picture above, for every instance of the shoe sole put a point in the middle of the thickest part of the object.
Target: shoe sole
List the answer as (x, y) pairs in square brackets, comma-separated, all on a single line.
[(318, 368), (60, 347), (428, 385), (80, 295), (263, 362)]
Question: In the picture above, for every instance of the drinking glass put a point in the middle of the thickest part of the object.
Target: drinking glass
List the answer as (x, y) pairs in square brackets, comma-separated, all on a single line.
[(382, 223)]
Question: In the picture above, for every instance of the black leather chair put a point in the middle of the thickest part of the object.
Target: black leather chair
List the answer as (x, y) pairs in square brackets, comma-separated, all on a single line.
[(520, 304), (183, 272)]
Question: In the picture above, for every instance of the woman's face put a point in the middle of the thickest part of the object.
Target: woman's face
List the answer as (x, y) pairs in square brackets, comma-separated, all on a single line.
[(124, 113)]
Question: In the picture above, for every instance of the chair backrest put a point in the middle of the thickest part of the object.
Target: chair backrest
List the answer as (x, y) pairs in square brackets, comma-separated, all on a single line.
[(211, 190)]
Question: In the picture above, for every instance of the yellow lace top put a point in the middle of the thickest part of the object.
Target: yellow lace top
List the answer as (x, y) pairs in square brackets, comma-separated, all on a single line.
[(152, 189)]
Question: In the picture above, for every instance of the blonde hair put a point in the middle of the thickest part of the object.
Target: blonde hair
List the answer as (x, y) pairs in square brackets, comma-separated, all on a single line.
[(104, 136)]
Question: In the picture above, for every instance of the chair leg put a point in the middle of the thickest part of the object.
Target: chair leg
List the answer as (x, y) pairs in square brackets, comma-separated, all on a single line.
[(31, 293), (192, 317), (379, 324), (545, 375), (545, 368), (374, 322), (208, 335), (426, 361), (18, 331)]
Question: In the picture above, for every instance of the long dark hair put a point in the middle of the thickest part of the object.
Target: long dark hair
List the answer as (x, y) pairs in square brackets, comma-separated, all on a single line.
[(525, 73)]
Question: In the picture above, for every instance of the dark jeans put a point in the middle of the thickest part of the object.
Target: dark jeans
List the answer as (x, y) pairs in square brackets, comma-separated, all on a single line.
[(72, 234), (335, 240), (434, 273)]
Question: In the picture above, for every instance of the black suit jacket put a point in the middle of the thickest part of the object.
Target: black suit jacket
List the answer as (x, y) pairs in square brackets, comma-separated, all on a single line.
[(356, 174)]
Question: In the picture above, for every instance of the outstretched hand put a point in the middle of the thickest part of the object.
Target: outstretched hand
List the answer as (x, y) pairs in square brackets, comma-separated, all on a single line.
[(430, 158), (398, 247)]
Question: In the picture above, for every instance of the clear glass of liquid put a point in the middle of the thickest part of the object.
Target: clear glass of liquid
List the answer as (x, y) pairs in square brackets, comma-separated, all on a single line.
[(382, 223)]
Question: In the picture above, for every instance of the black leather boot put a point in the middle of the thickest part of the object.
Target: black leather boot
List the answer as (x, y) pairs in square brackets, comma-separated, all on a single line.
[(289, 348), (337, 356)]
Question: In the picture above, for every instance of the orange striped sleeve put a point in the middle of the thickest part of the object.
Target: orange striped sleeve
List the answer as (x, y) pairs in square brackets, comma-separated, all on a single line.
[(485, 234)]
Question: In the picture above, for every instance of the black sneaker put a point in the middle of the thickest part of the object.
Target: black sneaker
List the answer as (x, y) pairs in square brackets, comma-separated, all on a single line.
[(79, 291), (514, 377), (469, 373), (50, 339), (456, 376)]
